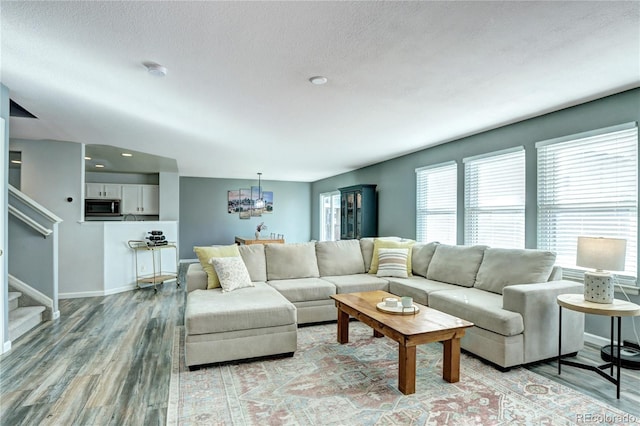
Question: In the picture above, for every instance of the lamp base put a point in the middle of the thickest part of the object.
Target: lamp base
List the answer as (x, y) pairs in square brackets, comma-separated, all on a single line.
[(598, 287)]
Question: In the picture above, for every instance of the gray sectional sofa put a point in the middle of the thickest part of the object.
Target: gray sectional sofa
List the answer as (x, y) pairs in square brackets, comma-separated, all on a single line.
[(509, 294)]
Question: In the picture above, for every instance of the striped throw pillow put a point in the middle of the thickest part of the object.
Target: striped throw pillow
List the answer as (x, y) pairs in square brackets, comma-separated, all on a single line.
[(392, 262)]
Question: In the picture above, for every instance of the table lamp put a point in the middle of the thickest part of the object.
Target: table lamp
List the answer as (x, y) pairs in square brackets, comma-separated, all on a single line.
[(602, 254)]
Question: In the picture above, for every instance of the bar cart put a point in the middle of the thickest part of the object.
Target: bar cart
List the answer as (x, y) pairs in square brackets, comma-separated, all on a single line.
[(158, 276)]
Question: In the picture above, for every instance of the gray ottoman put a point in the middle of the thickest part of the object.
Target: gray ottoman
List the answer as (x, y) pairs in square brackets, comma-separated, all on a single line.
[(244, 323)]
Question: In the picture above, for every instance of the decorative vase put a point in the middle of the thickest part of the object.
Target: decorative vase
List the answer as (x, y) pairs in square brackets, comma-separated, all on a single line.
[(257, 235)]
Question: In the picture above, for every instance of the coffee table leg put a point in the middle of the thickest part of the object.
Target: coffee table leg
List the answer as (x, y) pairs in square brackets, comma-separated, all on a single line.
[(407, 369), (343, 326), (451, 360), (376, 333)]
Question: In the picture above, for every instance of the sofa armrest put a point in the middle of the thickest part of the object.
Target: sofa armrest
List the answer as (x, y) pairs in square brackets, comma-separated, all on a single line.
[(196, 278), (537, 303)]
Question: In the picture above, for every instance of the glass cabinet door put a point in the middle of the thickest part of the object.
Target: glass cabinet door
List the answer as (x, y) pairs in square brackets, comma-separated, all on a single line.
[(358, 208), (350, 216)]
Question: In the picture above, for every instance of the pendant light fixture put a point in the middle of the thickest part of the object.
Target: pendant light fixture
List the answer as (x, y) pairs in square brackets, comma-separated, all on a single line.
[(259, 204)]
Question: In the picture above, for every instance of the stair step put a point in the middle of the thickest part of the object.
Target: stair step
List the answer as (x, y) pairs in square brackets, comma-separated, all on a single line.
[(13, 300), (24, 319)]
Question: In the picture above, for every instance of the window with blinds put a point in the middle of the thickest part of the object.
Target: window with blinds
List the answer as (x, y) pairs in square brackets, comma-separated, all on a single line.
[(588, 186), (494, 199), (436, 203)]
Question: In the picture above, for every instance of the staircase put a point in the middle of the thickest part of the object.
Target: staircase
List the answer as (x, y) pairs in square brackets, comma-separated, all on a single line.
[(22, 318)]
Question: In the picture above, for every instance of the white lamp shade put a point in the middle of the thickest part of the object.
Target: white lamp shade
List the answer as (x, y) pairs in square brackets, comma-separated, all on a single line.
[(607, 254)]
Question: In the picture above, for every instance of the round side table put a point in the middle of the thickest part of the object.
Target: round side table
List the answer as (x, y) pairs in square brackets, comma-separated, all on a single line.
[(617, 309)]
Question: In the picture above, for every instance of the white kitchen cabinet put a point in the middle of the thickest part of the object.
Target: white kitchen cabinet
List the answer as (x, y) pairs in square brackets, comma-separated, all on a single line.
[(103, 190), (141, 199)]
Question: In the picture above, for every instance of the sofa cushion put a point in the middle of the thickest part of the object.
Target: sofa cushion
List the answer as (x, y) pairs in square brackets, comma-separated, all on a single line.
[(288, 261), (455, 264), (357, 283), (392, 262), (504, 267), (304, 289), (212, 311), (366, 245), (253, 256), (417, 287), (482, 308), (380, 243), (196, 277), (231, 272), (342, 257), (421, 255), (207, 252)]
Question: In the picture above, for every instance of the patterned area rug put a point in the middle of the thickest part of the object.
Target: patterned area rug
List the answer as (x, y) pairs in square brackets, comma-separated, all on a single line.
[(326, 383)]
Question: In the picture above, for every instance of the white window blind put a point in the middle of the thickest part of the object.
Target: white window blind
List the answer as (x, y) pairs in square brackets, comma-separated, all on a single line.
[(588, 186), (494, 197), (436, 203), (330, 216)]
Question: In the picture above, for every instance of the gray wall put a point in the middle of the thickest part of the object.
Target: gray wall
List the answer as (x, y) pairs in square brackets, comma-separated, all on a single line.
[(51, 172), (28, 247), (204, 219), (169, 196), (396, 178)]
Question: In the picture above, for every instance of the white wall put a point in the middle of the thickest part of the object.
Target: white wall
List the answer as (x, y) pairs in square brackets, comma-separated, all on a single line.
[(119, 259)]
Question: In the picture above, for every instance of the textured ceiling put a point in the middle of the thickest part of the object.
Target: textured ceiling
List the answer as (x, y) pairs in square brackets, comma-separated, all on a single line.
[(236, 100)]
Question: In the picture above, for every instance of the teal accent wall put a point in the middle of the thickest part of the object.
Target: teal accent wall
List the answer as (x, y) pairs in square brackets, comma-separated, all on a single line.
[(204, 219), (396, 178)]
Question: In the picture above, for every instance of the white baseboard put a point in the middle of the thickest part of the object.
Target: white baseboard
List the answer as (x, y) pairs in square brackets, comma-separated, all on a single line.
[(6, 347), (596, 340), (120, 289), (81, 294)]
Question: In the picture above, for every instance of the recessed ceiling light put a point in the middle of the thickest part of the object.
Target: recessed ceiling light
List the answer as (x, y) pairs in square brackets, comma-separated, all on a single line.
[(126, 154), (87, 158), (16, 161), (155, 70), (318, 80), (100, 166)]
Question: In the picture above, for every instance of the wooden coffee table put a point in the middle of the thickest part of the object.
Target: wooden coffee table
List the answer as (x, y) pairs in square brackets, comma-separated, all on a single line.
[(426, 326)]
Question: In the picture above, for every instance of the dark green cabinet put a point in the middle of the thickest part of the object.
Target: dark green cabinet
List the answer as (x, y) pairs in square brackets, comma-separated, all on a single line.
[(358, 212)]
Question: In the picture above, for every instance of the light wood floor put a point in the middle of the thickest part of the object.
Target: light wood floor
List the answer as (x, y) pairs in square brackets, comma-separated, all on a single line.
[(107, 360)]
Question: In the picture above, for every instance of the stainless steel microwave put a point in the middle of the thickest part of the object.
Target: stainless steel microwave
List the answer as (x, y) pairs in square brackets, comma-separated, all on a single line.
[(102, 207)]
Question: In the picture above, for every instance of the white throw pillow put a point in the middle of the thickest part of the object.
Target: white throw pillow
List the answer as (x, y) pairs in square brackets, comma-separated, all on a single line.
[(232, 272), (392, 262)]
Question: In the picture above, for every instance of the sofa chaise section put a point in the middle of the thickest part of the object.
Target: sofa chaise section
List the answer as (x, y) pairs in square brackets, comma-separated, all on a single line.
[(245, 323)]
